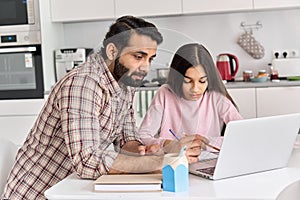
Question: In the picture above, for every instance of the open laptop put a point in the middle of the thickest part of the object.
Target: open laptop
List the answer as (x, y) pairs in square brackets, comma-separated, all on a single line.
[(250, 146)]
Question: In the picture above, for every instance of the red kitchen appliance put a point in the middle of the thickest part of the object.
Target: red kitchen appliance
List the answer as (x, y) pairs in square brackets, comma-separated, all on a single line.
[(228, 66)]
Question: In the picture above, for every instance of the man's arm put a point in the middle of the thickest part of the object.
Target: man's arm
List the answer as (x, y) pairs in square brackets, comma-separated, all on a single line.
[(136, 164), (132, 159), (81, 107)]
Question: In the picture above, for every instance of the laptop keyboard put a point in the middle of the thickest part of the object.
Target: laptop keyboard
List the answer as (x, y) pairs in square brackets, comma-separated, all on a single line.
[(209, 170)]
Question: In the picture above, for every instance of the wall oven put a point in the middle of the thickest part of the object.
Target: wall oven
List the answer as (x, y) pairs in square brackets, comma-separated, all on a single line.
[(21, 73)]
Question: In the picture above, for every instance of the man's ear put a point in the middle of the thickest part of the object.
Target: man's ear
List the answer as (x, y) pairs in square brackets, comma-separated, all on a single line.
[(111, 51)]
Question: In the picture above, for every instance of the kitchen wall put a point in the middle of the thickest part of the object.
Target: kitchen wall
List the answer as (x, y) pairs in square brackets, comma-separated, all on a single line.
[(218, 32)]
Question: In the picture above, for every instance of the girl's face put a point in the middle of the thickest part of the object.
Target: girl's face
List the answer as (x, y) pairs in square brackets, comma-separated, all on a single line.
[(194, 83)]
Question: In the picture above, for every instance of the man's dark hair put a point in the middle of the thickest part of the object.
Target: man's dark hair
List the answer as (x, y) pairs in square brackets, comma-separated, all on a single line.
[(120, 32)]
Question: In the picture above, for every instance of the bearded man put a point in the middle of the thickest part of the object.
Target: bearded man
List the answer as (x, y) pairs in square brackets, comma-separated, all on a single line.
[(88, 110)]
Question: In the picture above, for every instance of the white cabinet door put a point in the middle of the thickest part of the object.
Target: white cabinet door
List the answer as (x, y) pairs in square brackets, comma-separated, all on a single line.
[(276, 4), (21, 107), (198, 6), (148, 8), (81, 10), (17, 118), (16, 128), (277, 101), (245, 100)]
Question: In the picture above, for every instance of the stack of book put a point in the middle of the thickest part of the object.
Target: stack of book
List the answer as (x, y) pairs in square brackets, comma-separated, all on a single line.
[(128, 183)]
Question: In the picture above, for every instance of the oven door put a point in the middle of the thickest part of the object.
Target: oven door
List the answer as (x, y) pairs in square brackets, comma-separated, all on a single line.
[(15, 12), (21, 74)]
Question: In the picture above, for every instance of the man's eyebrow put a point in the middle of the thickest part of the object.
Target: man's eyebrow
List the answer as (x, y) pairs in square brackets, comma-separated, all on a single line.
[(144, 53), (141, 52)]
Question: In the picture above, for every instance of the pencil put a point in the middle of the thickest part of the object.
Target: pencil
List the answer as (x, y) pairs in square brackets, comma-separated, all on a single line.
[(213, 147), (173, 133), (209, 145)]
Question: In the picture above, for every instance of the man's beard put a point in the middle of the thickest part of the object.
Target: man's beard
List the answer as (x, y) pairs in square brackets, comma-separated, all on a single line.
[(121, 74)]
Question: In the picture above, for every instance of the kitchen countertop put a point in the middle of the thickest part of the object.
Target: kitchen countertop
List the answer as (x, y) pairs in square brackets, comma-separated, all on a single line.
[(241, 84)]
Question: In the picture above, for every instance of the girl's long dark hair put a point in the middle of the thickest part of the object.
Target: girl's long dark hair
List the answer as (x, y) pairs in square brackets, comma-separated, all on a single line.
[(190, 55)]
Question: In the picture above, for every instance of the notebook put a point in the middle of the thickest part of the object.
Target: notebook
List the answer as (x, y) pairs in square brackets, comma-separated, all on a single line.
[(128, 183), (250, 146)]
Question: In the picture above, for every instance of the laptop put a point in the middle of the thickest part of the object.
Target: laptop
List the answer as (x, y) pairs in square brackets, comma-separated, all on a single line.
[(251, 146)]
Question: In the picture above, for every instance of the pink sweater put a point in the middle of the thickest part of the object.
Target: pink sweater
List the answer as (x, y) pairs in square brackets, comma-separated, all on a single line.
[(205, 116)]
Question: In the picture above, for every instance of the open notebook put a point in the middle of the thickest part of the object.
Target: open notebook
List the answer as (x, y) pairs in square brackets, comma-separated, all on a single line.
[(250, 146)]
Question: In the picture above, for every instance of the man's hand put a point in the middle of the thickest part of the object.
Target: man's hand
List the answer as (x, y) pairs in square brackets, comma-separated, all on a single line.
[(133, 148), (136, 148), (152, 149)]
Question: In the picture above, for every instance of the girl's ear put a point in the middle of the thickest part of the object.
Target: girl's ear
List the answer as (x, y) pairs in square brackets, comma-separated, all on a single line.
[(111, 51)]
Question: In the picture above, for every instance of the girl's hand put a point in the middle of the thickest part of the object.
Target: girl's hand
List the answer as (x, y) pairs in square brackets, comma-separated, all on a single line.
[(192, 154), (194, 143)]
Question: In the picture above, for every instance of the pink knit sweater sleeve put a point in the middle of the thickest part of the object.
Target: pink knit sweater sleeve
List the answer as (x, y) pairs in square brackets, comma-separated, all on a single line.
[(151, 123)]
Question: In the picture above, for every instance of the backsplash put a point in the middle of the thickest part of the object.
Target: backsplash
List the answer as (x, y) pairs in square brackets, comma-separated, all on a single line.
[(218, 32)]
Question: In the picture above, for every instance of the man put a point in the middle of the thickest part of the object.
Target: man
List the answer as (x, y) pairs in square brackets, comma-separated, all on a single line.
[(88, 110)]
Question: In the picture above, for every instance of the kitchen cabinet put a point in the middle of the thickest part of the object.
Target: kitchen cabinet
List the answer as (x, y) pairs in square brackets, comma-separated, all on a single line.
[(79, 10), (16, 128), (206, 6), (262, 4), (245, 98), (17, 118), (266, 101), (203, 6), (88, 10), (148, 8), (277, 101)]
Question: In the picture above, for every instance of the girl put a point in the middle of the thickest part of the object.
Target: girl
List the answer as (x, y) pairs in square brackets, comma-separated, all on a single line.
[(193, 101)]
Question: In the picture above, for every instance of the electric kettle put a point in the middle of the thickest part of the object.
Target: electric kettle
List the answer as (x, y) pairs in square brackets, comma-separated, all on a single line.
[(228, 66)]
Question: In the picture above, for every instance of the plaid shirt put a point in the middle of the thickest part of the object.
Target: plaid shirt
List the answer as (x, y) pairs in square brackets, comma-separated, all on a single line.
[(86, 112)]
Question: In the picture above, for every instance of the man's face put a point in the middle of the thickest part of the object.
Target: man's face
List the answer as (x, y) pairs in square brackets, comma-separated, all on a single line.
[(135, 60)]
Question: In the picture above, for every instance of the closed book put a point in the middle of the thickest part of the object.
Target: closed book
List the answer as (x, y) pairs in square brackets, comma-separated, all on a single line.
[(128, 183)]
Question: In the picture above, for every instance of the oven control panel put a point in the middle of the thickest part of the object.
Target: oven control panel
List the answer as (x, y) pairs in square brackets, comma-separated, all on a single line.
[(20, 38)]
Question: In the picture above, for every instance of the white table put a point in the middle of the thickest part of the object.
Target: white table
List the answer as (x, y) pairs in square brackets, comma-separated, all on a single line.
[(264, 185)]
